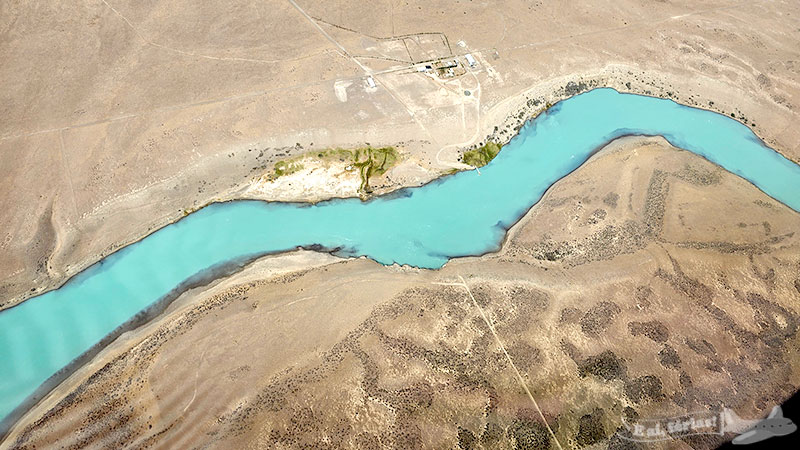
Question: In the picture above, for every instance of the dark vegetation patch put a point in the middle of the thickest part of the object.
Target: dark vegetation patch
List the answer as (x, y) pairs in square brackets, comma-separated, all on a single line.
[(528, 434), (599, 317), (644, 388), (526, 304), (483, 294), (573, 88), (603, 245), (686, 285), (655, 203), (630, 414), (466, 439), (669, 358), (606, 365), (529, 298), (597, 216), (525, 355), (643, 294), (570, 315), (703, 348), (685, 381), (492, 433), (699, 176), (611, 199), (367, 441), (590, 428), (652, 329)]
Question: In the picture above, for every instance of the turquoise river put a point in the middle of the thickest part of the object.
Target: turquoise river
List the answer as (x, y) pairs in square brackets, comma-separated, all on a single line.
[(44, 338)]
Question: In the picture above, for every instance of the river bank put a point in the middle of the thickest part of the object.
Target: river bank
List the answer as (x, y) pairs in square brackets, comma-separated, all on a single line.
[(499, 124)]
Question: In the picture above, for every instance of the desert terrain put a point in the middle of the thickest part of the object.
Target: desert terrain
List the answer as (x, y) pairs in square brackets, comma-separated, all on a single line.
[(648, 282), (613, 298)]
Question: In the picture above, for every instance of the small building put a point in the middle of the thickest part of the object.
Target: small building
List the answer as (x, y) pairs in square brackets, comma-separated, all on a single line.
[(470, 60), (370, 81)]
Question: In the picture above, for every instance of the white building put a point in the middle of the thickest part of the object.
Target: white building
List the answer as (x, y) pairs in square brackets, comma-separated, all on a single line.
[(471, 60), (370, 82)]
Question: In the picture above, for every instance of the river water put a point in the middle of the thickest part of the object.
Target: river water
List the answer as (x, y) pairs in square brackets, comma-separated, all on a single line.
[(459, 215)]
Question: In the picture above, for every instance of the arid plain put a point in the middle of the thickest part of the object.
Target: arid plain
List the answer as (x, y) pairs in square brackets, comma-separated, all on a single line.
[(648, 280)]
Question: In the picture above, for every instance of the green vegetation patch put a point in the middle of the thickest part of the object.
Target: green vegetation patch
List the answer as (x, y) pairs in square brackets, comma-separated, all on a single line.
[(481, 155), (373, 162), (370, 161), (286, 167)]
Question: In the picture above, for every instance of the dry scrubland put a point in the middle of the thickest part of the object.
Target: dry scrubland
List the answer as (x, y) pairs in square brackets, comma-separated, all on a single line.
[(616, 296)]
